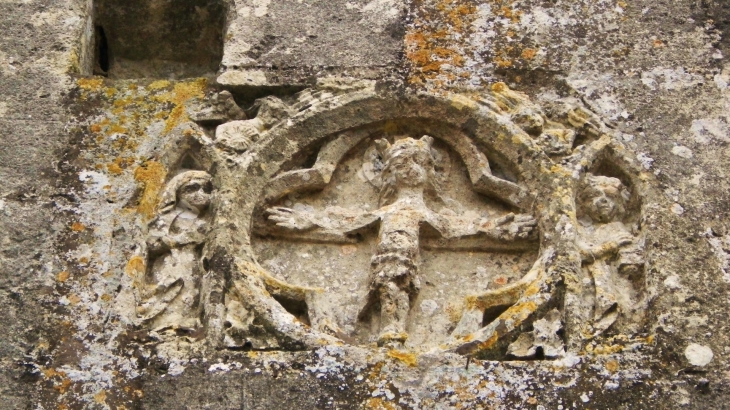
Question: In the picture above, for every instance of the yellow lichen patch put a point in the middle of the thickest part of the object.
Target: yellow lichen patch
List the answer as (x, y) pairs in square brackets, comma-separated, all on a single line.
[(100, 397), (74, 299), (460, 102), (62, 276), (604, 349), (435, 40), (106, 297), (114, 168), (158, 85), (180, 94), (136, 266), (454, 310), (522, 310), (529, 53), (502, 62), (406, 357), (78, 227), (489, 343), (90, 84), (376, 403), (612, 366), (152, 175)]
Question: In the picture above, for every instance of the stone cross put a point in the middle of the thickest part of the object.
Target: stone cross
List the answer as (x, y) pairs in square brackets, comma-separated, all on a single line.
[(408, 172)]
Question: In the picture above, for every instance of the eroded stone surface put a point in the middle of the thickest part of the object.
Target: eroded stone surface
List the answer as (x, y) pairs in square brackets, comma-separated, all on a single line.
[(546, 110)]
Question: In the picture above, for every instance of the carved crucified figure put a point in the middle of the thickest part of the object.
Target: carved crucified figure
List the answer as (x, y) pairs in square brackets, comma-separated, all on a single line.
[(408, 171)]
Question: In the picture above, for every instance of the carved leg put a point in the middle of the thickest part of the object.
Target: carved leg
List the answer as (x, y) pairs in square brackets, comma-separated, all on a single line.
[(606, 308), (320, 316), (394, 307)]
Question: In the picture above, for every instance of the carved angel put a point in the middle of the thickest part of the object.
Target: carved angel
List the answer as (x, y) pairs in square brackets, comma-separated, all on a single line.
[(611, 254), (168, 294)]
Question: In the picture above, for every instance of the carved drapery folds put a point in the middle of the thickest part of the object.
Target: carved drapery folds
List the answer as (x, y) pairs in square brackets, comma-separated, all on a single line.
[(486, 226), (168, 292)]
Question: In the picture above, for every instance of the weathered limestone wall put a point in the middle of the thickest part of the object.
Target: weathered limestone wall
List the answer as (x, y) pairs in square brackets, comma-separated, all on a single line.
[(89, 161)]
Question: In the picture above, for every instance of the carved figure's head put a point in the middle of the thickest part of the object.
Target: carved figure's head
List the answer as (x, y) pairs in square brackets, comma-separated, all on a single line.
[(408, 162), (190, 190), (602, 198)]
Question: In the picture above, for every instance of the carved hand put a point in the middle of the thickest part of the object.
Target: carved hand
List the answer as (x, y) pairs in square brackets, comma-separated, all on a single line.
[(609, 247), (290, 219), (511, 227), (182, 239)]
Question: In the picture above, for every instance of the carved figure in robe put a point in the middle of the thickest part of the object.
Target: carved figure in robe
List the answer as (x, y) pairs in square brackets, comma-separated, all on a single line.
[(169, 293), (408, 173), (611, 254)]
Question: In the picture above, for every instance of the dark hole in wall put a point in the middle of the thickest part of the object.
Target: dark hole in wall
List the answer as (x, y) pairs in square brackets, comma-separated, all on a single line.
[(297, 308), (158, 38), (492, 313), (101, 60)]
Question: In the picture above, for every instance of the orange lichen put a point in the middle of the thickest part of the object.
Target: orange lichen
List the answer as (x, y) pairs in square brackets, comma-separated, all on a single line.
[(136, 266), (489, 343), (90, 84), (529, 53), (521, 310), (158, 85), (114, 168), (78, 227), (152, 176), (612, 366), (62, 276), (406, 357), (377, 403), (434, 40), (180, 94), (100, 397)]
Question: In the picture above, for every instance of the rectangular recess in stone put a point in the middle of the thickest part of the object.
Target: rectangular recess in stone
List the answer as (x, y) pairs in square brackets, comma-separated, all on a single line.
[(158, 38), (296, 39)]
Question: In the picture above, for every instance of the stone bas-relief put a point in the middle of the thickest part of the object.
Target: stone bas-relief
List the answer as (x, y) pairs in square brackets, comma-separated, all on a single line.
[(406, 172), (168, 292), (611, 254), (397, 232)]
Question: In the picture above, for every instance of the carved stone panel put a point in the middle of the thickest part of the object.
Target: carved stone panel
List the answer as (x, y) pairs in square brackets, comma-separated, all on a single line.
[(431, 223)]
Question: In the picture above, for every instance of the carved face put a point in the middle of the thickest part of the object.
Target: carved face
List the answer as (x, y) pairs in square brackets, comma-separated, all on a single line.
[(408, 162), (195, 194), (602, 198)]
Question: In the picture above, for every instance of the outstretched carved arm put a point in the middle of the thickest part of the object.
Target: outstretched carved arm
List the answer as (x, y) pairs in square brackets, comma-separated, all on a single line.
[(456, 230), (334, 220)]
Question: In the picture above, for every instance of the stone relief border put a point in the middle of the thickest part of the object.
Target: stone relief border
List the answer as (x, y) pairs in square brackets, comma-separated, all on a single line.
[(554, 158)]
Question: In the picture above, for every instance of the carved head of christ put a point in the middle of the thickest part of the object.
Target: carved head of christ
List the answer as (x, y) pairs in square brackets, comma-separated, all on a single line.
[(407, 162)]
